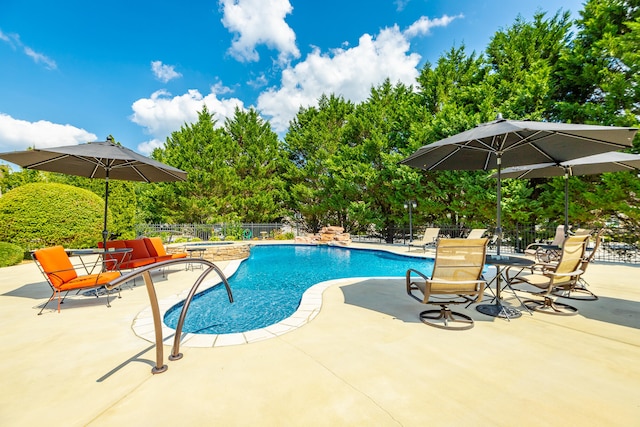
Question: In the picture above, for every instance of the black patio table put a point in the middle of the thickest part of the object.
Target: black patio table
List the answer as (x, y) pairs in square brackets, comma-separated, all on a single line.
[(500, 262), (102, 254)]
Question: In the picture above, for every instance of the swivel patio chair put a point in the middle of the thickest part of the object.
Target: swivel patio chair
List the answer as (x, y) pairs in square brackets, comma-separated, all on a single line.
[(545, 278), (430, 239), (579, 290), (456, 279), (55, 265), (541, 251)]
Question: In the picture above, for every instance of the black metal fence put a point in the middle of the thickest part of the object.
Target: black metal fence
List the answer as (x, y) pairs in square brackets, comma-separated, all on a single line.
[(617, 244), (208, 232)]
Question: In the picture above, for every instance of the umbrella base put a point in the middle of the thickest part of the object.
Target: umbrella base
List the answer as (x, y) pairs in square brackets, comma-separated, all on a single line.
[(499, 310)]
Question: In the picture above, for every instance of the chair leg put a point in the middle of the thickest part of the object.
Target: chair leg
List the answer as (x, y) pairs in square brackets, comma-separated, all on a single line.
[(579, 292), (53, 295), (446, 319), (549, 306)]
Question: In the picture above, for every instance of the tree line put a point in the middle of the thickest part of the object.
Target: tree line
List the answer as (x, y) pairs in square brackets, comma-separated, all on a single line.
[(338, 162)]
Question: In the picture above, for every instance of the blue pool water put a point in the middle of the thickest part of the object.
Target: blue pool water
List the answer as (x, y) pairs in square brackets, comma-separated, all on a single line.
[(268, 286)]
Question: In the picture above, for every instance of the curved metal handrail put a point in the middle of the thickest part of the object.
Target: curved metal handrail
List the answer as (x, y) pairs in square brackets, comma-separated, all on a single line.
[(145, 272)]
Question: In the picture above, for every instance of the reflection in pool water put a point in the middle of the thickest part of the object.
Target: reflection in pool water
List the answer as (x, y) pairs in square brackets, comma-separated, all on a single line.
[(268, 286)]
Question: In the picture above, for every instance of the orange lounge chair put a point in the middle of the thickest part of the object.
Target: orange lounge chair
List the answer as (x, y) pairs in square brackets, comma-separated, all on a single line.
[(55, 265)]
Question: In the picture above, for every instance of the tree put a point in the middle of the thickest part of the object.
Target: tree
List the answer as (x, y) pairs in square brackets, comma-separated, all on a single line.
[(256, 161), (523, 59), (597, 77), (376, 137), (314, 136), (200, 150)]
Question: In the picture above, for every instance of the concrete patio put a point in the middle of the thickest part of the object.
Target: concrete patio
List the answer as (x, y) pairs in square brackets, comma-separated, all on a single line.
[(365, 359)]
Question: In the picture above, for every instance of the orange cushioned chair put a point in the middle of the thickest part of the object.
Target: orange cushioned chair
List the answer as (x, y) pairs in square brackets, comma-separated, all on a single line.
[(155, 247), (55, 265)]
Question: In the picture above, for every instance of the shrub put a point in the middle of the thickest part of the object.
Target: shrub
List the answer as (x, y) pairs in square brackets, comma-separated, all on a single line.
[(44, 214), (10, 254)]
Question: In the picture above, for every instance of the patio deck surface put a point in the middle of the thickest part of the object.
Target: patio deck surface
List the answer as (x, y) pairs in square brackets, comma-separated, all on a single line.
[(365, 359)]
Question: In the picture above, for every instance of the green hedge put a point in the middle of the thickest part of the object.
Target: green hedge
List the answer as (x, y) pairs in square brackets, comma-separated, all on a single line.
[(44, 214), (10, 254)]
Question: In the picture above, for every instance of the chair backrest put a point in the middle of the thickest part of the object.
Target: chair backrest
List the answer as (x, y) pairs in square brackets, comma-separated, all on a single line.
[(559, 237), (56, 265), (431, 235), (118, 257), (476, 233), (581, 231), (459, 259), (155, 247), (572, 256), (138, 248), (592, 253)]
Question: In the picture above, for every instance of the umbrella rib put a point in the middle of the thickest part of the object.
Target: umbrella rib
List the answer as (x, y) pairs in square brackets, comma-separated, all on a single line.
[(144, 178), (178, 177), (458, 148), (44, 162)]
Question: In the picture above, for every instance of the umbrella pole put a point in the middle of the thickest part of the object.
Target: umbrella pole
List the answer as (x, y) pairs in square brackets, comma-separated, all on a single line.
[(566, 202), (499, 199), (105, 233)]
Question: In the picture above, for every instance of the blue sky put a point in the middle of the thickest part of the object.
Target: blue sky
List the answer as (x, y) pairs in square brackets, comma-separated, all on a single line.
[(76, 71)]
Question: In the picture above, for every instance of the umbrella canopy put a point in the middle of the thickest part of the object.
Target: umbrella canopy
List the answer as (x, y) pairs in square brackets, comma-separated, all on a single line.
[(106, 160), (590, 165), (504, 142)]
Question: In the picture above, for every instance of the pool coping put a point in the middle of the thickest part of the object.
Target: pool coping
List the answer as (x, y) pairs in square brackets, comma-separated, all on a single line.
[(309, 308), (310, 305)]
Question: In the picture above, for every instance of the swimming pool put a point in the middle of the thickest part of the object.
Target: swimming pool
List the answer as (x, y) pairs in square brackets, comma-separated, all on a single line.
[(268, 286)]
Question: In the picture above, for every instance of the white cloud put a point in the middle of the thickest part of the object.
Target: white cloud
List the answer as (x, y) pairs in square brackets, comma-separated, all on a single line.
[(259, 82), (18, 134), (347, 72), (259, 22), (401, 4), (5, 38), (14, 41), (163, 113), (147, 147), (424, 25), (163, 72)]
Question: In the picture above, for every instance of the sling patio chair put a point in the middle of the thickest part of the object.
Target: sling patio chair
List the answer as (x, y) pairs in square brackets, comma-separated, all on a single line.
[(456, 279), (430, 239), (547, 251), (476, 233), (579, 290), (546, 278), (55, 265)]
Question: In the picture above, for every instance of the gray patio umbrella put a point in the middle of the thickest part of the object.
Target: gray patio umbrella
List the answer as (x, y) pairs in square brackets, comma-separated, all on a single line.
[(590, 165), (507, 143), (106, 160)]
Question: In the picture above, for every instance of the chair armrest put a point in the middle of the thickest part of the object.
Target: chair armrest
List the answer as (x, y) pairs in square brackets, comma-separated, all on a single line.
[(411, 270), (106, 263), (455, 282)]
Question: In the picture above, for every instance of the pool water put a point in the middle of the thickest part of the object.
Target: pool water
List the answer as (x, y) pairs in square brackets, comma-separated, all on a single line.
[(268, 286)]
